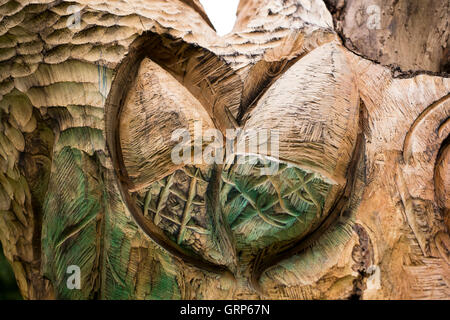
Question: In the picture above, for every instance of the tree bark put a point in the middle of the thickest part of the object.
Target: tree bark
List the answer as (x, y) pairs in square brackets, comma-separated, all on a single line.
[(408, 36)]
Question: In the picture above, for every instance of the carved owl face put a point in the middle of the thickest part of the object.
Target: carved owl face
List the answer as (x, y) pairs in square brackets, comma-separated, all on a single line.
[(218, 215), (292, 206), (166, 161)]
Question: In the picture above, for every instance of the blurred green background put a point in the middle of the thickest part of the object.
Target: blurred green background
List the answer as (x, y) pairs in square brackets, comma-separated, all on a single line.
[(8, 285)]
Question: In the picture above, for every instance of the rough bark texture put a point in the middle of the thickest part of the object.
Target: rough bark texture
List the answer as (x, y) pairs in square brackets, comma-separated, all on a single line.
[(91, 91), (409, 36)]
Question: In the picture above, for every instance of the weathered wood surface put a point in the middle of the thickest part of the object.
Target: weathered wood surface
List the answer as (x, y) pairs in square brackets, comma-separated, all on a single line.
[(89, 88), (409, 36)]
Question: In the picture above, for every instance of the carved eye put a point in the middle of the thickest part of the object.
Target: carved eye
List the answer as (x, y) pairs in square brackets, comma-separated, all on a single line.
[(313, 108), (168, 193), (164, 92), (316, 138)]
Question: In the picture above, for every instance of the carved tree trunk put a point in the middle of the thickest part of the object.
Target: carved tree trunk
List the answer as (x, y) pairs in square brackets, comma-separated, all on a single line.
[(92, 91)]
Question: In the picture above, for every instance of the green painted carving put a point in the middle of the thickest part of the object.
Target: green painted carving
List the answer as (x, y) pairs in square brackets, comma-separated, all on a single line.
[(262, 209), (86, 225)]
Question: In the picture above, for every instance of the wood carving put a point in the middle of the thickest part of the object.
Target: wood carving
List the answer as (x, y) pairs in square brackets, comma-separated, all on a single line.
[(346, 195)]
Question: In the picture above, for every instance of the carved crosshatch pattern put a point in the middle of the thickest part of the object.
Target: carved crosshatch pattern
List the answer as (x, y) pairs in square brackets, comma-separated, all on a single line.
[(91, 91), (257, 204), (178, 199)]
